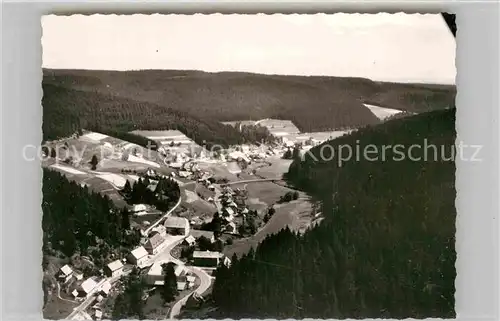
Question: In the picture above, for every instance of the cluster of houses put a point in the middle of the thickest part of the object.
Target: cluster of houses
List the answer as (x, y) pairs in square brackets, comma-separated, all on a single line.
[(229, 209), (91, 285)]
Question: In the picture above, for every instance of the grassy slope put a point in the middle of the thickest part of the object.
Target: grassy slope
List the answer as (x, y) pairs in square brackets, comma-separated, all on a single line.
[(313, 103)]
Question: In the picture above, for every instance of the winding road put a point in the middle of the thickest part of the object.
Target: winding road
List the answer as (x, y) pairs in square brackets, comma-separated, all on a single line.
[(163, 217)]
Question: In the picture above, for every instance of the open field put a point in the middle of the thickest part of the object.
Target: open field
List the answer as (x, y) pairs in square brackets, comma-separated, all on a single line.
[(266, 192), (381, 112), (279, 127), (277, 168), (296, 215)]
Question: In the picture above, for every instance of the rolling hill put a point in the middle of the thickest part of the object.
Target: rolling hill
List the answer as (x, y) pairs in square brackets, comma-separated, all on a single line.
[(312, 103), (386, 247), (65, 110)]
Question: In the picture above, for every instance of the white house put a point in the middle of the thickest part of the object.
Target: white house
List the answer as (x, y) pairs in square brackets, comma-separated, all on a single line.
[(114, 268), (207, 258), (78, 275), (65, 273), (177, 225), (105, 288), (138, 256), (190, 240), (87, 287), (231, 228), (154, 243), (181, 286)]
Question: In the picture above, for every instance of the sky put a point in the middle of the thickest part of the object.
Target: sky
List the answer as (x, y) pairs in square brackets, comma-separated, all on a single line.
[(384, 47)]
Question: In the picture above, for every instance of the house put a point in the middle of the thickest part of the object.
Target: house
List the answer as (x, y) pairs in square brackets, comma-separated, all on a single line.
[(114, 269), (153, 244), (190, 240), (180, 271), (75, 293), (231, 228), (160, 229), (185, 174), (87, 287), (244, 211), (199, 233), (177, 225), (155, 274), (207, 258), (210, 199), (98, 314), (65, 273), (181, 286), (211, 187), (138, 256), (139, 209), (190, 278), (105, 288), (229, 211), (78, 275), (232, 204)]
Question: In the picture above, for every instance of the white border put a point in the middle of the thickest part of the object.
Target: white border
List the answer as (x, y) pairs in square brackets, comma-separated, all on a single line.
[(477, 123)]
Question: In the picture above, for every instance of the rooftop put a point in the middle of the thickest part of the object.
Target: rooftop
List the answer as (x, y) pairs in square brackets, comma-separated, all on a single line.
[(139, 252), (176, 222), (88, 285), (115, 265), (207, 254), (66, 270), (155, 241), (199, 233)]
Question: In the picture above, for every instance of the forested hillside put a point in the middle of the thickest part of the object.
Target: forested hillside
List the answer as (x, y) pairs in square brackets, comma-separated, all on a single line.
[(66, 110), (312, 103), (78, 221), (386, 248)]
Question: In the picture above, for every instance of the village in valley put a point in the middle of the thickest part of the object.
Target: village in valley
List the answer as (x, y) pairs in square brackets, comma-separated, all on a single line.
[(220, 204)]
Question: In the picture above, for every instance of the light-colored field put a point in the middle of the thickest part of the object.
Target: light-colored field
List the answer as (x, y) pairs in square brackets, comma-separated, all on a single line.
[(277, 169), (67, 169), (136, 159), (115, 179), (382, 112), (279, 127), (190, 196), (161, 134), (94, 136), (133, 177), (266, 192)]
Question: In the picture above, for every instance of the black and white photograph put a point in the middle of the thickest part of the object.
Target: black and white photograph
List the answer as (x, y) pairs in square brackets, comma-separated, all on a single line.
[(264, 166)]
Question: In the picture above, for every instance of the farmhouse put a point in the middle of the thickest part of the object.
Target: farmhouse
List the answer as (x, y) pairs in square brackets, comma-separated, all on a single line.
[(87, 287), (231, 228), (139, 209), (180, 271), (138, 256), (177, 225), (65, 273), (190, 240), (78, 275), (114, 268), (154, 243), (105, 288), (199, 233), (207, 258), (181, 286)]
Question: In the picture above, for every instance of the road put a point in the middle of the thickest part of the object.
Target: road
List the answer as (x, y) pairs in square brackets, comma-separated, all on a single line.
[(146, 232), (205, 279), (252, 181)]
